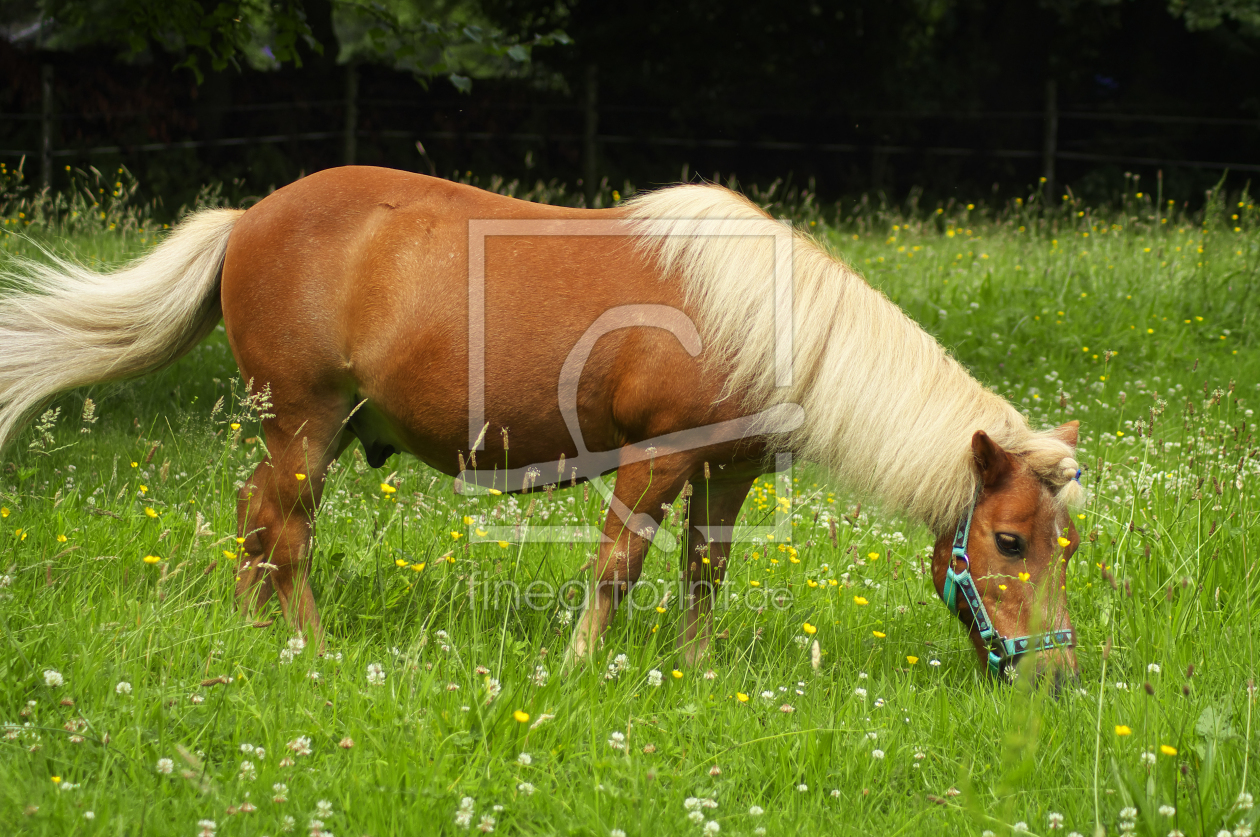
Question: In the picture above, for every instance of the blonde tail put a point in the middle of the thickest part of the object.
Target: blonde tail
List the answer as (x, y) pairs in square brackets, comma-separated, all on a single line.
[(64, 326)]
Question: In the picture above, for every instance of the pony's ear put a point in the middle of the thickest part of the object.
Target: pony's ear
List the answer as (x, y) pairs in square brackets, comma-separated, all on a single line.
[(1069, 433), (993, 463)]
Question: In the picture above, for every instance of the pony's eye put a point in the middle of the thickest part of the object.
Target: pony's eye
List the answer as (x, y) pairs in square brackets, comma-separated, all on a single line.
[(1012, 546)]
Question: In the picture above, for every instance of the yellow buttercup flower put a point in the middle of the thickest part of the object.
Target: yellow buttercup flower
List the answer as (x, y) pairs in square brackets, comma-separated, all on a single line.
[(386, 488), (62, 539), (521, 717), (299, 477), (874, 556), (912, 660), (481, 533), (1064, 542), (677, 674), (1167, 750), (494, 491), (227, 554), (860, 600), (741, 697), (879, 634), (1122, 730), (660, 609), (144, 489), (150, 512), (1024, 576), (400, 562), (457, 535), (754, 583), (418, 567), (809, 629), (235, 426), (4, 511), (503, 544), (468, 521), (151, 559)]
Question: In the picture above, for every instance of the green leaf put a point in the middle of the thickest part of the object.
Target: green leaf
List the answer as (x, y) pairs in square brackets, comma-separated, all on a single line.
[(462, 83)]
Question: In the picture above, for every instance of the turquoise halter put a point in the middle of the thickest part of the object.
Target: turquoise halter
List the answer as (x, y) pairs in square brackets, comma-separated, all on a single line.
[(1002, 650)]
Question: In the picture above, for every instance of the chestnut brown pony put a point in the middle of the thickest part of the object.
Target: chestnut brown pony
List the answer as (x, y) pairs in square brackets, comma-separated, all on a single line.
[(685, 336)]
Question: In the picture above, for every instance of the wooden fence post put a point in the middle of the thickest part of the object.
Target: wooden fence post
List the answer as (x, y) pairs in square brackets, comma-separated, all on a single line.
[(1050, 140), (46, 125), (590, 165), (350, 140)]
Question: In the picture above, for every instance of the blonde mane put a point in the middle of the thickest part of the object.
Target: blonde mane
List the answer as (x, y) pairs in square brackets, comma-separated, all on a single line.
[(886, 409)]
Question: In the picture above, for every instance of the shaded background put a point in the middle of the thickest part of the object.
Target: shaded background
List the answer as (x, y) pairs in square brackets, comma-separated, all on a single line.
[(915, 100)]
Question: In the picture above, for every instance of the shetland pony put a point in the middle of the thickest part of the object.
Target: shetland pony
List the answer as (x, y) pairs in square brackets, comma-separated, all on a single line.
[(684, 337)]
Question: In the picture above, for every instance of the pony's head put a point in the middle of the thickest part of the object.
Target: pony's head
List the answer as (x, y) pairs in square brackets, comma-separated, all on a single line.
[(1005, 574)]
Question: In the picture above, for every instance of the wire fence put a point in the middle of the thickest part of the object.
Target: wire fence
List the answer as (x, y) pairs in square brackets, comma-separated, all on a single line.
[(51, 119)]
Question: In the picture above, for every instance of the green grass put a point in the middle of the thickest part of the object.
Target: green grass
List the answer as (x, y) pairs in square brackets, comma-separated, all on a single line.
[(1133, 329)]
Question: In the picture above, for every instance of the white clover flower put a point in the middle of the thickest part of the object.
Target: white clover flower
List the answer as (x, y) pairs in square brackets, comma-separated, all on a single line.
[(616, 832), (525, 788), (123, 688), (288, 823), (525, 759), (1167, 810), (89, 815), (1148, 758), (53, 678), (248, 772), (654, 678), (165, 766), (712, 827), (696, 816), (756, 811), (324, 808), (205, 828), (1020, 828), (1055, 820), (540, 676), (463, 817), (877, 754), (492, 690), (301, 745), (1129, 813), (1245, 802), (802, 787), (860, 692), (1152, 668), (1242, 830), (617, 740), (375, 674), (768, 695)]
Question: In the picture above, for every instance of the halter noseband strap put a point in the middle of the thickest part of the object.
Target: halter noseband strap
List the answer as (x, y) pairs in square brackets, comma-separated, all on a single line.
[(1001, 649)]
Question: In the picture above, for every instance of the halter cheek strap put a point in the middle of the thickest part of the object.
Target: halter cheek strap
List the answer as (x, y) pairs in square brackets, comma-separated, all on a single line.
[(1002, 650)]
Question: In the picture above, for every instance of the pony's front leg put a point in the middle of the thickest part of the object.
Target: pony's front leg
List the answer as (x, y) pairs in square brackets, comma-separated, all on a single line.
[(633, 519), (711, 512)]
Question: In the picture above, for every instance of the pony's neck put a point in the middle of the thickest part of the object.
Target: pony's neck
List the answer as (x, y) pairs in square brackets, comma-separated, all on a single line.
[(886, 408)]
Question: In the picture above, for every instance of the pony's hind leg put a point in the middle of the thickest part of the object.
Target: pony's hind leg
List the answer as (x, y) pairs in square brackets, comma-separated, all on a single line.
[(712, 510), (275, 509)]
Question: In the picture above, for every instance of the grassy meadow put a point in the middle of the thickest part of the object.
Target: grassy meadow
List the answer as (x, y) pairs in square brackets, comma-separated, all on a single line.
[(134, 699)]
